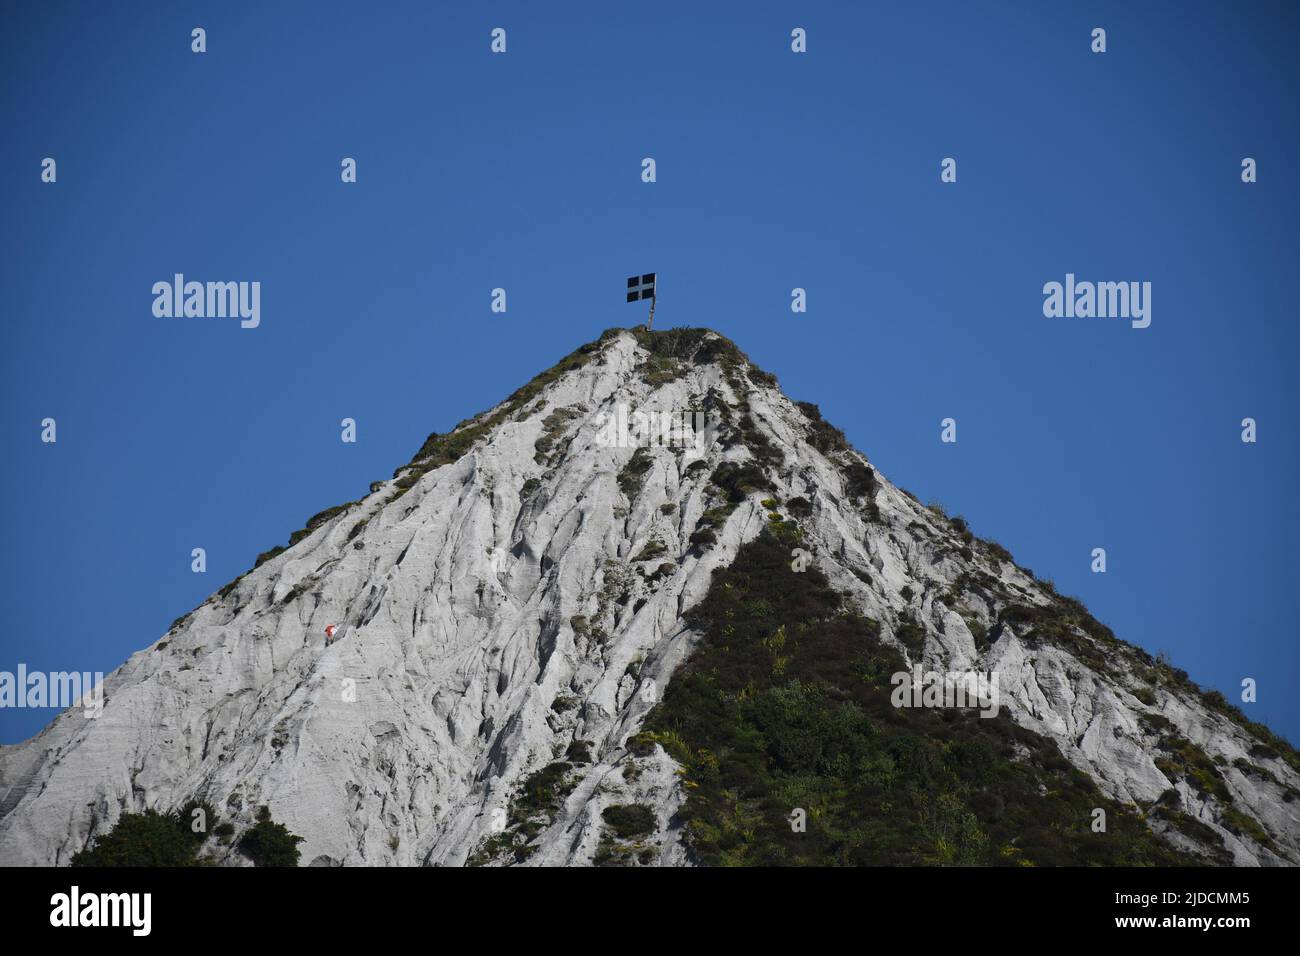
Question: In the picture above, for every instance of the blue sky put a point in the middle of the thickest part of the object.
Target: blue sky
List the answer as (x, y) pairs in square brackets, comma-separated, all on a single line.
[(775, 170)]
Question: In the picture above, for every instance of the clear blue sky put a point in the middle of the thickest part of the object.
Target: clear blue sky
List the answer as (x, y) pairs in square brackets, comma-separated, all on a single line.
[(775, 170)]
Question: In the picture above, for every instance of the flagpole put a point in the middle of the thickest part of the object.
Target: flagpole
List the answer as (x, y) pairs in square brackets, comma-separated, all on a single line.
[(650, 322)]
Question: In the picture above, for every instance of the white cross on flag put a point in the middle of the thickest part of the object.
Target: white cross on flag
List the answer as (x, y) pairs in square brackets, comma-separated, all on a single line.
[(641, 287)]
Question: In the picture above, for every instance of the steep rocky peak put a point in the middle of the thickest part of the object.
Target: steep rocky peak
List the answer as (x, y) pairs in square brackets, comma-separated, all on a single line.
[(510, 610)]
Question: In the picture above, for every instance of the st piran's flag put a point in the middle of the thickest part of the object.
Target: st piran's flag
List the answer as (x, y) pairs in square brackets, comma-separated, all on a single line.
[(641, 287)]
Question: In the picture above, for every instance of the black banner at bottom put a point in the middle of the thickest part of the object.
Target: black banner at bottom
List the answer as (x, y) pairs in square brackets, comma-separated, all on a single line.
[(335, 906)]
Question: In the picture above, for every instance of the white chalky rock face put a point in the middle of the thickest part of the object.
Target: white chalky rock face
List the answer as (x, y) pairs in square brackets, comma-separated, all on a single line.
[(495, 612)]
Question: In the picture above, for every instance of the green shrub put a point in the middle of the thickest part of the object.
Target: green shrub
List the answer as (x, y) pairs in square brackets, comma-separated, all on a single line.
[(1243, 824), (630, 820), (266, 556), (633, 474), (860, 480), (1254, 770), (1258, 750), (1060, 623), (268, 843), (738, 480), (641, 744), (1183, 760), (910, 634), (1155, 723), (553, 426), (652, 549), (141, 839), (1209, 839), (197, 819), (822, 435), (318, 519), (579, 752), (532, 809), (998, 552), (154, 839), (542, 792), (703, 537), (694, 346), (666, 569)]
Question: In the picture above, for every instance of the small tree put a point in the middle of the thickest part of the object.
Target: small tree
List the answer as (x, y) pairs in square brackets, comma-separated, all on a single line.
[(196, 820), (142, 839), (269, 843)]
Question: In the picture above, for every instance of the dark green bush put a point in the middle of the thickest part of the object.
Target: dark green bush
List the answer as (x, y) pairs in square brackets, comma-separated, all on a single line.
[(753, 438), (266, 556), (153, 839), (197, 819), (634, 472), (629, 820), (703, 537), (268, 843), (1243, 824), (1183, 760), (997, 551), (579, 752), (652, 549), (318, 519), (822, 435), (1209, 838), (860, 480), (553, 426), (641, 744), (910, 634), (141, 839), (542, 792), (740, 479)]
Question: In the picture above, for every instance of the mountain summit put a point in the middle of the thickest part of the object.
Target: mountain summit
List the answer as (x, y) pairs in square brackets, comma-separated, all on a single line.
[(560, 639)]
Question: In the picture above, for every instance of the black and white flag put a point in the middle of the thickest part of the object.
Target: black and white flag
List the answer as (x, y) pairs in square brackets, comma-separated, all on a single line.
[(641, 287)]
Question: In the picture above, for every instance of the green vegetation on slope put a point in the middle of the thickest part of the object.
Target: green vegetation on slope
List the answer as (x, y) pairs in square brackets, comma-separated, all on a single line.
[(146, 839), (532, 809), (171, 839), (785, 705)]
